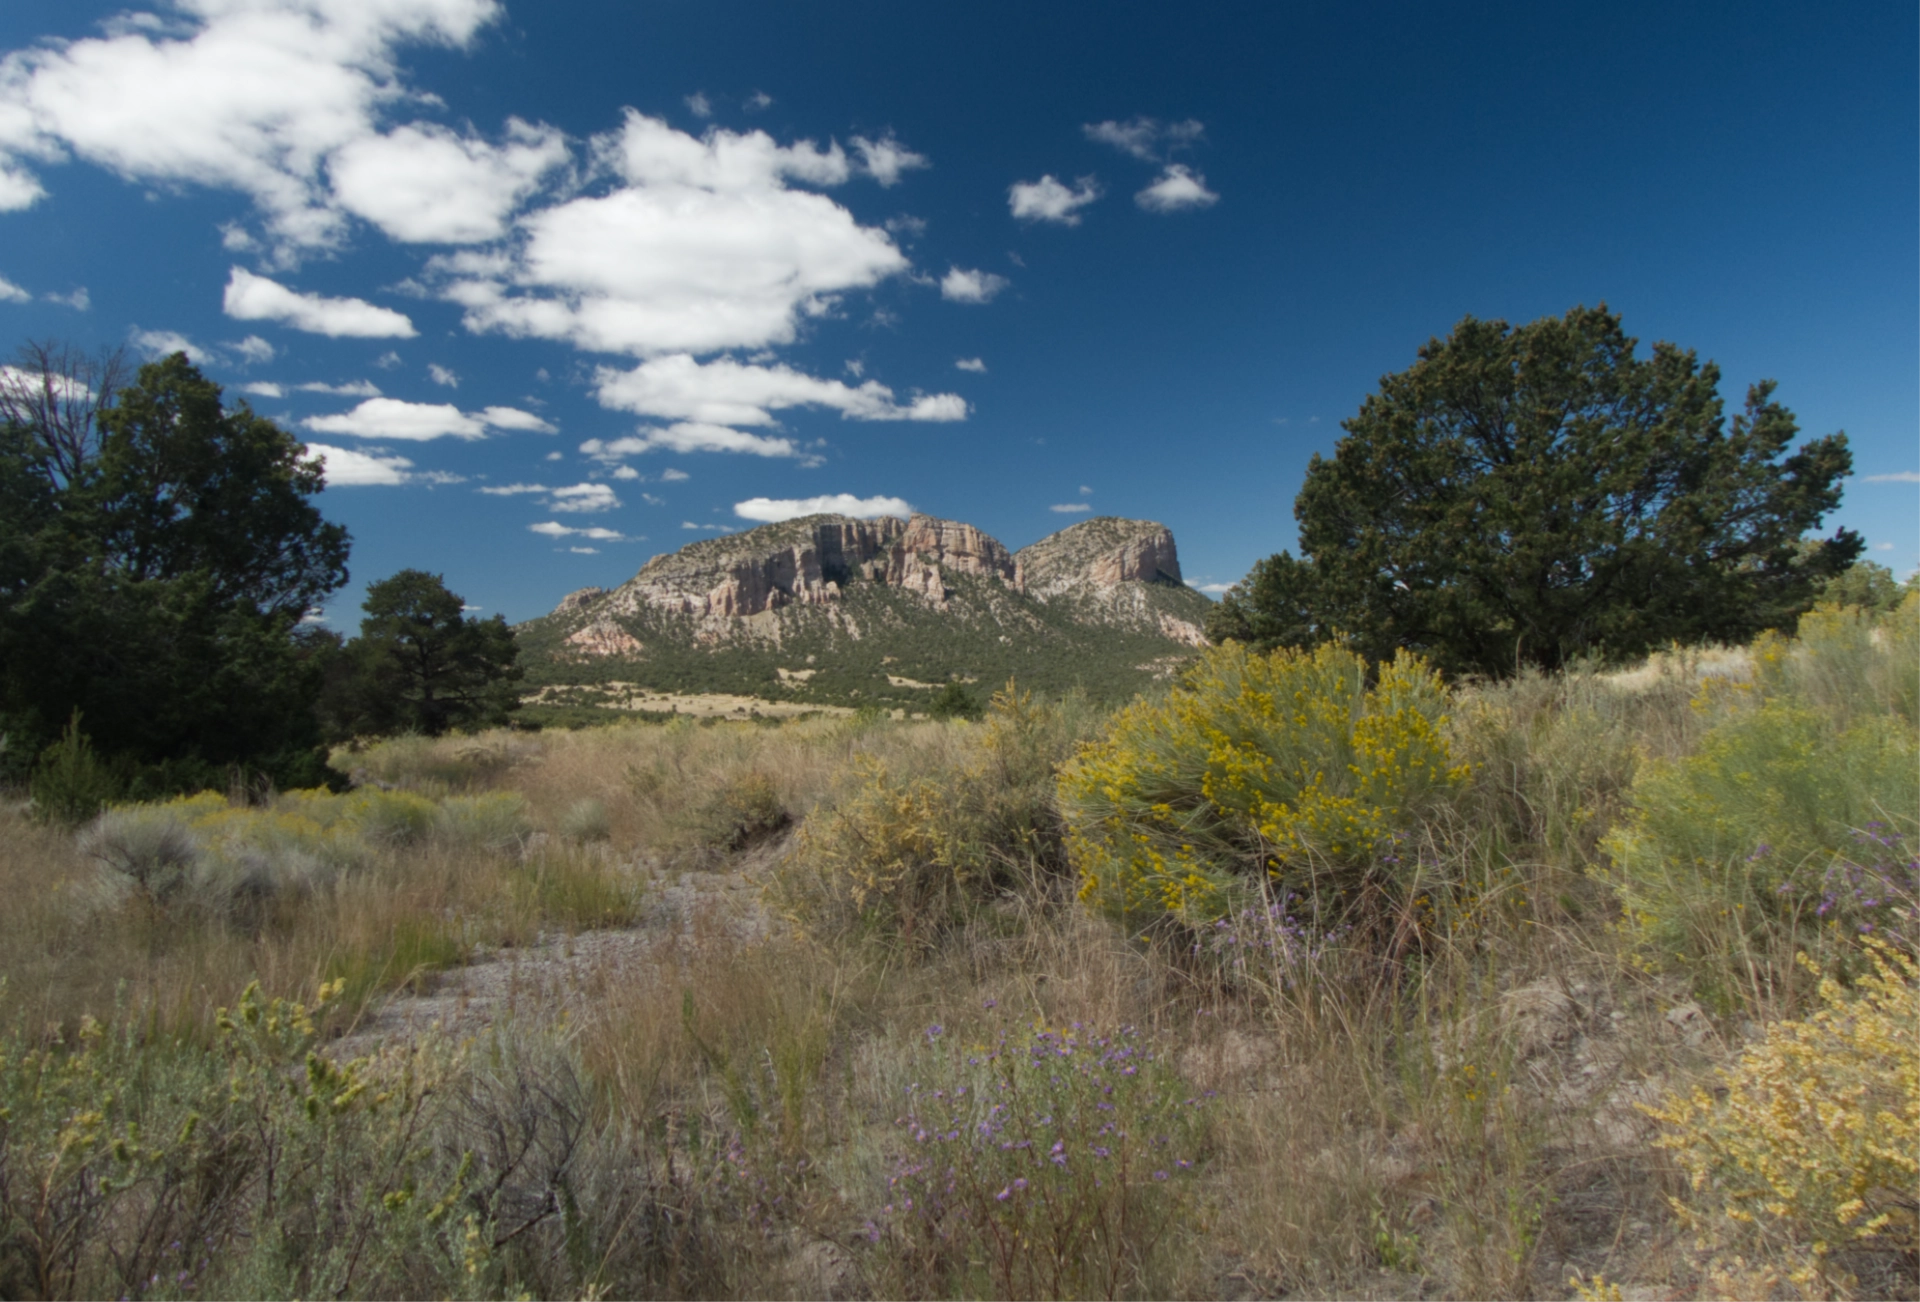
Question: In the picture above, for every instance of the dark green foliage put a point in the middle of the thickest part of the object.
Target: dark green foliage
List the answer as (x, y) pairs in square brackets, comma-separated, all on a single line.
[(71, 784), (184, 486), (156, 553), (420, 665), (1867, 585), (1536, 494), (954, 701)]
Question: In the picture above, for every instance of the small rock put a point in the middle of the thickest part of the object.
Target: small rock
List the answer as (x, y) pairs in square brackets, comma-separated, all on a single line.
[(1690, 1023)]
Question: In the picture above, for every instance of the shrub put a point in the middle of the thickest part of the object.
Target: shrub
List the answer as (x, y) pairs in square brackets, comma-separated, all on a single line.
[(259, 1167), (906, 858), (1814, 1149), (71, 784), (1794, 821), (495, 823), (742, 810), (150, 848), (585, 820), (1284, 766), (1050, 1163)]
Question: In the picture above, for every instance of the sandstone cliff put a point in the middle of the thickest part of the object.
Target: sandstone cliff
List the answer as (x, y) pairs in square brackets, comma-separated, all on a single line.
[(803, 562), (1100, 553), (841, 611)]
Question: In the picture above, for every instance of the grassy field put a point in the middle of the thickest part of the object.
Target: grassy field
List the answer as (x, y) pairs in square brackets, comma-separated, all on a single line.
[(932, 1068)]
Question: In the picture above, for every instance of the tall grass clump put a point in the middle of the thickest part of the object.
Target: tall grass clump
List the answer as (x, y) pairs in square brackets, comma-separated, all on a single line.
[(1795, 823), (1049, 1163), (908, 857), (258, 1167), (1260, 778), (1806, 1162)]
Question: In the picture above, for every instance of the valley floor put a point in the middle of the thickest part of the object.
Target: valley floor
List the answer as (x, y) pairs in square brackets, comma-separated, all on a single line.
[(624, 1012)]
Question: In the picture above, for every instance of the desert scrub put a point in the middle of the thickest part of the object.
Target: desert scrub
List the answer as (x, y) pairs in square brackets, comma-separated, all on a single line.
[(906, 858), (740, 810), (258, 1167), (1794, 822), (1811, 1159), (1278, 773), (1046, 1163), (210, 857)]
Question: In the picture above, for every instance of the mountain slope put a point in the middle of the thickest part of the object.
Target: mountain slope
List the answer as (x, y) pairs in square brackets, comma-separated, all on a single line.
[(828, 610)]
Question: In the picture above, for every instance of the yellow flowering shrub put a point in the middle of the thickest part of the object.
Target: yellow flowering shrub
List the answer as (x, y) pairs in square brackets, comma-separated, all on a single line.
[(1815, 1146), (1287, 762)]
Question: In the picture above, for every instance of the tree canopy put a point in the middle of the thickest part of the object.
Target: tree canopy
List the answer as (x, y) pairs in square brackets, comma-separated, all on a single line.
[(1532, 494), (157, 550), (421, 665)]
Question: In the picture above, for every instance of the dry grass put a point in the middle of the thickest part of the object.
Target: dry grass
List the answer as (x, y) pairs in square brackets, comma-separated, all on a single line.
[(1452, 1118)]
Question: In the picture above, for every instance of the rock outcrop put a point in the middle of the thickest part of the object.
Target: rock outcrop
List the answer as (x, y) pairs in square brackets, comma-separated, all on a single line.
[(603, 638), (1100, 553), (579, 599), (932, 548), (806, 562), (753, 589)]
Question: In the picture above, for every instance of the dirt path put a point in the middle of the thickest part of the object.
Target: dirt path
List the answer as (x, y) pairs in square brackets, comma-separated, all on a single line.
[(552, 978)]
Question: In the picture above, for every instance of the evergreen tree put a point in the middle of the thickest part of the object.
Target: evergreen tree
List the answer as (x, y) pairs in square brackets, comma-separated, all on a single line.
[(157, 551), (1530, 495), (420, 665)]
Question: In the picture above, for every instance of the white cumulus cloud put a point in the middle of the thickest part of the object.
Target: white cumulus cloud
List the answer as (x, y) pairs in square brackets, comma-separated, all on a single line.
[(705, 245), (347, 468), (250, 95), (164, 343), (1147, 139), (255, 298), (768, 510), (423, 184), (1047, 200), (1071, 508), (554, 529), (583, 499), (393, 418), (689, 436), (884, 159), (442, 376), (514, 490), (12, 293), (253, 349), (962, 286), (514, 418), (1178, 187), (973, 364), (726, 392)]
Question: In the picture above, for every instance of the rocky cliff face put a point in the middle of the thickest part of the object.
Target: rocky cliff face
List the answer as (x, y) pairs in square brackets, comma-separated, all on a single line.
[(1100, 553), (579, 599), (1122, 573), (931, 549), (803, 562), (1107, 573)]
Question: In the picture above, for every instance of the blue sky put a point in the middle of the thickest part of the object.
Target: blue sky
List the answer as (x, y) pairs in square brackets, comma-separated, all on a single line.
[(571, 284)]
